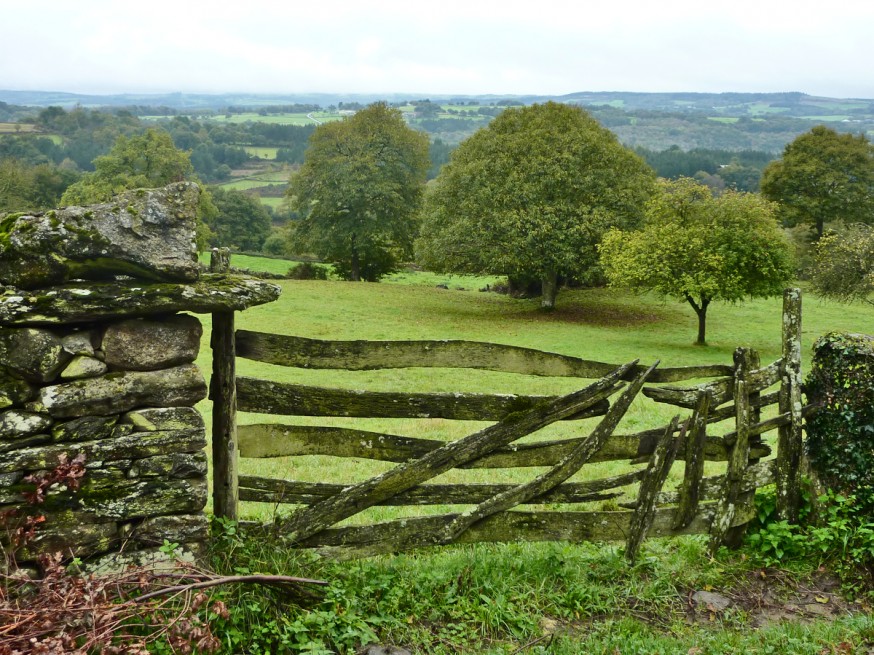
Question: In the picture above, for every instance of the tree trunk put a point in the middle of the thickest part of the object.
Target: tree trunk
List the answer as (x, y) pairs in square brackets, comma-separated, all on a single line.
[(355, 265), (701, 311), (820, 227), (550, 290)]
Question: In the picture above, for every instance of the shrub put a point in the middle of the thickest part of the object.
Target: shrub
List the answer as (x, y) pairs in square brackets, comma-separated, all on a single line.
[(307, 271), (840, 436)]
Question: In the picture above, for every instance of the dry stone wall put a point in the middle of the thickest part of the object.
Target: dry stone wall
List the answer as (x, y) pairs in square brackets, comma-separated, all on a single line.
[(101, 447)]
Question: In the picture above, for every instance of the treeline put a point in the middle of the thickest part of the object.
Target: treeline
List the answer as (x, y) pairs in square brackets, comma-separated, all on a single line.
[(719, 169)]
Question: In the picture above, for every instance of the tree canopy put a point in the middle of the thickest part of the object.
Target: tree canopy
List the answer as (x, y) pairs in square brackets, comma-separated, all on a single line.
[(359, 191), (699, 248), (823, 176), (530, 196)]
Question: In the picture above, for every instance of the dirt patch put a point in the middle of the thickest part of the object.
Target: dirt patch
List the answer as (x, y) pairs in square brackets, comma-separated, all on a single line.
[(769, 596)]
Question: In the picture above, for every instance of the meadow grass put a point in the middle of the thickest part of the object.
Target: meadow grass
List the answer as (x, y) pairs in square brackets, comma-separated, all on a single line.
[(601, 324), (509, 598)]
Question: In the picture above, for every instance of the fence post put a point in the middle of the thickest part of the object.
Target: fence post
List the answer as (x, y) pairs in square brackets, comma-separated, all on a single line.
[(223, 393), (738, 458), (789, 439)]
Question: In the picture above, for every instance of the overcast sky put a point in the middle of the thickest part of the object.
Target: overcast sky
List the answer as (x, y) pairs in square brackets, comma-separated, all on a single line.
[(438, 46)]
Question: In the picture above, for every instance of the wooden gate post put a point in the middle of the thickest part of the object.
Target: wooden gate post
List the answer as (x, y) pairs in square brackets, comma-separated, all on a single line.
[(738, 459), (223, 393), (789, 440)]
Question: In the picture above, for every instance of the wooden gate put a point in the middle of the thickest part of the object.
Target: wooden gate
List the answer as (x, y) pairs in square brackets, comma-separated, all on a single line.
[(719, 505)]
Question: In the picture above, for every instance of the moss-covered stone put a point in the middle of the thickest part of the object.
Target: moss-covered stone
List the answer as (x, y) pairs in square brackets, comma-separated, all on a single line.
[(163, 418), (92, 302), (83, 366), (115, 393), (15, 423), (14, 391), (147, 235), (149, 345), (34, 354), (134, 446), (85, 428)]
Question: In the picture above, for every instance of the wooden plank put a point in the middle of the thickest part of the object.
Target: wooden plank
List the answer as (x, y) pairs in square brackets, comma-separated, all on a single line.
[(757, 475), (559, 473), (656, 473), (269, 490), (790, 438), (739, 458), (368, 355), (729, 411), (264, 396), (722, 390), (223, 393), (694, 471), (515, 526), (278, 440), (314, 519)]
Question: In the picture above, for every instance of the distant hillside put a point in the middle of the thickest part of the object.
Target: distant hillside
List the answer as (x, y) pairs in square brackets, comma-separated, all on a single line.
[(656, 121)]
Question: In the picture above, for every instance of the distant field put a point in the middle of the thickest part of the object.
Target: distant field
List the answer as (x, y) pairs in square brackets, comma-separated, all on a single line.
[(764, 108), (261, 152), (16, 128), (723, 119), (242, 185), (272, 202), (278, 119), (828, 118)]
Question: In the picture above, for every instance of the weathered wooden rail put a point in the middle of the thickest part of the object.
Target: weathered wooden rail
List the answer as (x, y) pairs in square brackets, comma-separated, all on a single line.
[(717, 505)]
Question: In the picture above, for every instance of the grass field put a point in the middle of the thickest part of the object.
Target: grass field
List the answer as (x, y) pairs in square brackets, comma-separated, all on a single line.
[(16, 128), (557, 599), (262, 152), (601, 324)]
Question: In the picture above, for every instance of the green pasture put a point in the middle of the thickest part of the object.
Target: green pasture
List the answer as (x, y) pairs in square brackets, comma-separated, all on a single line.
[(828, 118), (765, 108), (17, 128), (244, 184), (271, 202), (723, 119), (601, 324), (261, 152), (278, 119)]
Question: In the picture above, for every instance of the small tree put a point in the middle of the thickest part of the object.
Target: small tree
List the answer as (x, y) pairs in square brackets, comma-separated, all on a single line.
[(530, 195), (844, 267), (241, 221), (147, 161), (359, 192), (699, 248), (823, 176)]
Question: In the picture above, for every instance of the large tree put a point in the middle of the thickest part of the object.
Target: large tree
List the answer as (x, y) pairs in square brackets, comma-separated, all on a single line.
[(699, 248), (823, 176), (530, 196), (359, 191)]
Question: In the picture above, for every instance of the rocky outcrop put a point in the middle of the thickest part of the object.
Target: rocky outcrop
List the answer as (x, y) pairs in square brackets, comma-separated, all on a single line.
[(146, 233)]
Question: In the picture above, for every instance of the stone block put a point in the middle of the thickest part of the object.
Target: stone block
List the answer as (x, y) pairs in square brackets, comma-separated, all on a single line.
[(149, 345)]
